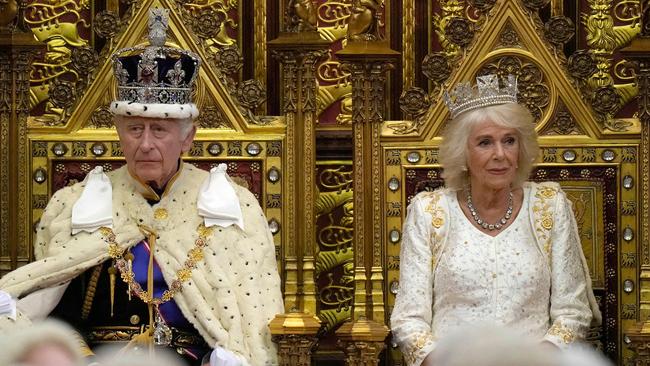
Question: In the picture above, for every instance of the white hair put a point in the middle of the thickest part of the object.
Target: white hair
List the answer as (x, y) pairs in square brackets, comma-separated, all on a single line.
[(453, 150), (491, 345), (117, 356), (17, 344)]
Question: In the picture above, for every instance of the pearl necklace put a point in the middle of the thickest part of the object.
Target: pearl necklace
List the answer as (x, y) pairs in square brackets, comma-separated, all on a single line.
[(483, 223)]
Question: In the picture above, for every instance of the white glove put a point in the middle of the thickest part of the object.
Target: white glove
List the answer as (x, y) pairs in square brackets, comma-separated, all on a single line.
[(222, 357), (7, 305)]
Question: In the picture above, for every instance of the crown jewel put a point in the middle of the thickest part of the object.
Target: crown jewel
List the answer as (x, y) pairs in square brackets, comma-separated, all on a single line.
[(464, 97), (155, 73)]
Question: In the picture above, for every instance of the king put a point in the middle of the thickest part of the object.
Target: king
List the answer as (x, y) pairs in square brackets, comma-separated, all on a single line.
[(157, 253)]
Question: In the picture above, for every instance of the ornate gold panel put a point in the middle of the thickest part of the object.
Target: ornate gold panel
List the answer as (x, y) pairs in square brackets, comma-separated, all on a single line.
[(572, 76)]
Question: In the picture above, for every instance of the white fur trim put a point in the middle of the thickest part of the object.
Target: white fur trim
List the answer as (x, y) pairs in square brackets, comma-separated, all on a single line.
[(154, 110), (232, 294)]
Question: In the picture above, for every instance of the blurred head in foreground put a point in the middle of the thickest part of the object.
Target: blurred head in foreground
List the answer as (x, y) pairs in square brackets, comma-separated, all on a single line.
[(49, 343), (489, 345), (116, 356)]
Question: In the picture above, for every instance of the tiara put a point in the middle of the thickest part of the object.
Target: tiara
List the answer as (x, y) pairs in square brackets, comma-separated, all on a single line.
[(155, 73), (464, 97)]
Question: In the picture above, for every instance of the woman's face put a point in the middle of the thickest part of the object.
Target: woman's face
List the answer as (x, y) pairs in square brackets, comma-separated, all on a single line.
[(492, 155)]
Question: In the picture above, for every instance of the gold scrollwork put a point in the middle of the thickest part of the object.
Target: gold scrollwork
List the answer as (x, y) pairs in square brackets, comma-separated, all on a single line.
[(623, 71), (449, 9), (603, 37), (221, 8), (339, 179), (56, 24), (330, 71), (334, 13), (627, 11)]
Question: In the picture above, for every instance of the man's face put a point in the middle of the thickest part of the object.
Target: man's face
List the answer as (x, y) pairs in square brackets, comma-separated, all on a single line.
[(152, 147)]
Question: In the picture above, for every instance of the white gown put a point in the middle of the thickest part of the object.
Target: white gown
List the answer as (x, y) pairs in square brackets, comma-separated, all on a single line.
[(474, 278)]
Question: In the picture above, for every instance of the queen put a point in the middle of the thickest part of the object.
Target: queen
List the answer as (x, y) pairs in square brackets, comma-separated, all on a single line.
[(490, 246)]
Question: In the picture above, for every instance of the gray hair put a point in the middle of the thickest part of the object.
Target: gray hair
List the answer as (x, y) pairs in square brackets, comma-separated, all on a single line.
[(491, 345), (17, 344), (453, 150)]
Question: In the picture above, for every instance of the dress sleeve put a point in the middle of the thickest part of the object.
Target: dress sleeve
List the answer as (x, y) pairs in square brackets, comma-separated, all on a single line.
[(412, 315), (570, 312)]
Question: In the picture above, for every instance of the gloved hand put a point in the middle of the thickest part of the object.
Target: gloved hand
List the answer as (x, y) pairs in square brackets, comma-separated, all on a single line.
[(7, 305), (222, 357)]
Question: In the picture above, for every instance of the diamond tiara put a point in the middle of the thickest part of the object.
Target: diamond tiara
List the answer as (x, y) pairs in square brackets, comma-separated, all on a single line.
[(464, 97)]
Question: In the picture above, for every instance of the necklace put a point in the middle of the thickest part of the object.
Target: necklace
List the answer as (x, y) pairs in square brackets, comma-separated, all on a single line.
[(162, 334), (499, 224), (184, 274)]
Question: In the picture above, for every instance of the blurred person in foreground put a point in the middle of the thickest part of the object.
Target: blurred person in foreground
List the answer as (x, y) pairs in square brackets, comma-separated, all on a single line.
[(48, 343), (490, 345), (157, 253), (490, 246)]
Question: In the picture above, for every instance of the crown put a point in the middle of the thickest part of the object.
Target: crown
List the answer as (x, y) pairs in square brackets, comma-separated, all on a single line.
[(464, 97), (155, 75)]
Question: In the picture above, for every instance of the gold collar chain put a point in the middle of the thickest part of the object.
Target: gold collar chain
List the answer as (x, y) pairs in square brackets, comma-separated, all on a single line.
[(194, 256)]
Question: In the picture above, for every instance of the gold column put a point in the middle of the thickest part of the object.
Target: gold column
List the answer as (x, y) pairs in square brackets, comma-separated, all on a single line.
[(299, 49), (295, 335), (17, 50), (639, 53), (362, 339)]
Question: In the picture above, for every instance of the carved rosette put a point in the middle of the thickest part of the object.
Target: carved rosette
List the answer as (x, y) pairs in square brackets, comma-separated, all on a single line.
[(229, 59), (84, 60), (459, 31), (102, 118), (436, 67), (106, 24), (509, 37), (251, 94), (606, 100), (559, 30), (415, 103), (562, 123), (62, 94), (211, 117), (206, 24), (582, 65)]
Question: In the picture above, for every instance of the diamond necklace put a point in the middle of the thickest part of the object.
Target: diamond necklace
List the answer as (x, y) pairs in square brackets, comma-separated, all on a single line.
[(483, 223)]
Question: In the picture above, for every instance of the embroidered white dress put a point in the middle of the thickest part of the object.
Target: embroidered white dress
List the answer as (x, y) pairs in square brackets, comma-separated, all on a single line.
[(452, 274), (480, 277)]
